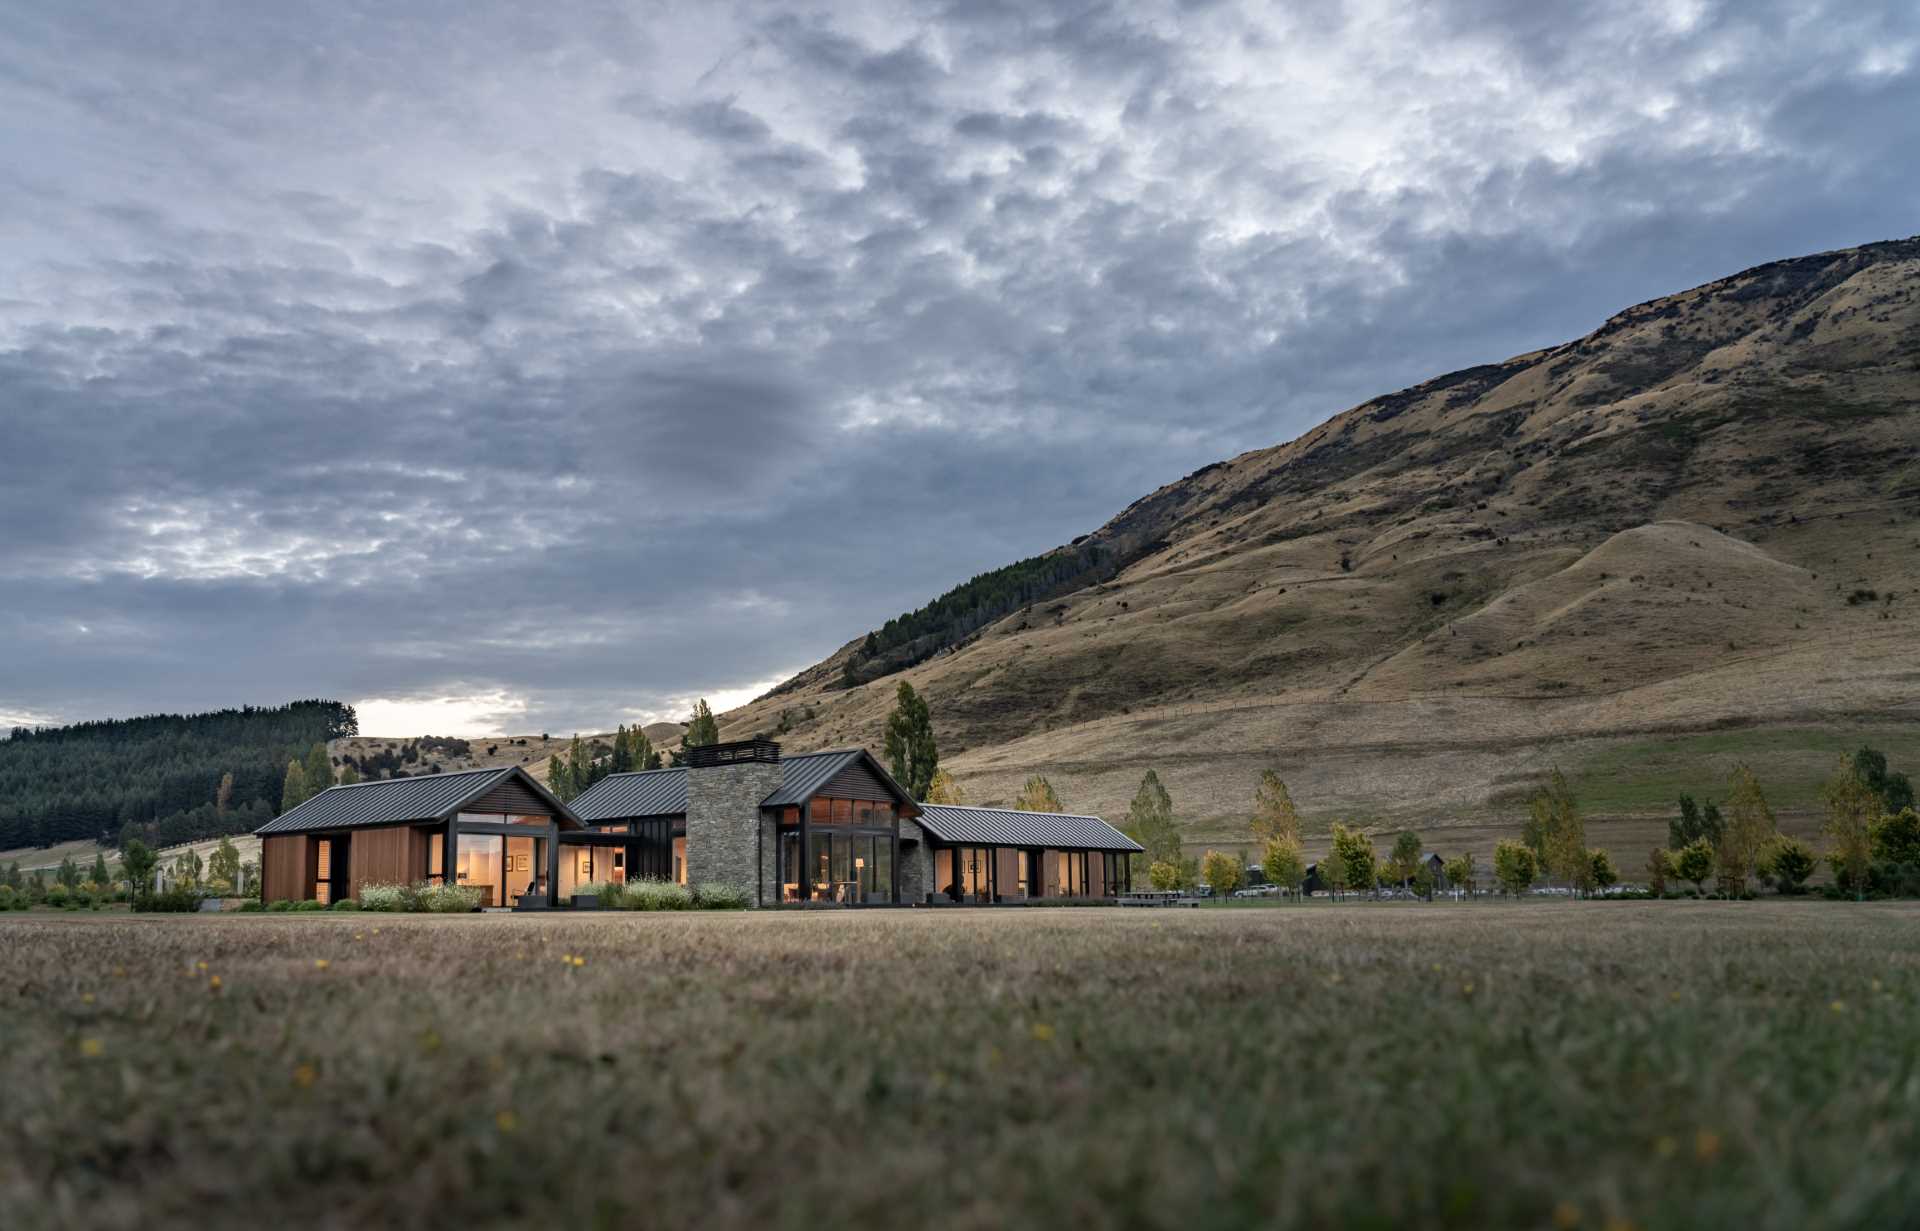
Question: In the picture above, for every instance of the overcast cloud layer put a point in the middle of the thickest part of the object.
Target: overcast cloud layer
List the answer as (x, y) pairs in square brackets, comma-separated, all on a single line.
[(563, 361)]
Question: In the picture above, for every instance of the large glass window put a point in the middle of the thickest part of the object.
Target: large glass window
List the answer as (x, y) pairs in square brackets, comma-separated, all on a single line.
[(436, 857), (882, 882), (480, 862), (820, 864), (944, 882), (790, 866)]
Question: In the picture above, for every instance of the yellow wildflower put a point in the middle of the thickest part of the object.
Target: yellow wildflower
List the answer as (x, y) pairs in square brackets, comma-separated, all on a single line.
[(304, 1075), (1706, 1145), (91, 1047), (321, 963), (1042, 1032), (213, 983), (506, 1121)]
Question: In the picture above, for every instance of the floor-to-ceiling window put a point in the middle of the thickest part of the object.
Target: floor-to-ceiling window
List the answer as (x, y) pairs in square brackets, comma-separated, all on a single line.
[(1069, 870), (481, 864), (851, 849)]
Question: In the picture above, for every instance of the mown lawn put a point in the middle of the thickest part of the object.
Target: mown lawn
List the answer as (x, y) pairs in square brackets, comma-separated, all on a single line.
[(1407, 1065)]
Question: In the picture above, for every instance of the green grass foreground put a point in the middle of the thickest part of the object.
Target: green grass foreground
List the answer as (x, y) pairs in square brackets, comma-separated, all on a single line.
[(1532, 1065)]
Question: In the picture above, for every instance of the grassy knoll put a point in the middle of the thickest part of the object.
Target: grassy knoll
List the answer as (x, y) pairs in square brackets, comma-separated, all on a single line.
[(1592, 1064)]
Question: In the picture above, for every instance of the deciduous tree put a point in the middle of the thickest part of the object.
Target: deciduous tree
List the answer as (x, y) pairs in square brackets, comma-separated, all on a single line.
[(1659, 868), (224, 865), (1151, 823), (319, 770), (911, 752), (1750, 826), (1037, 796), (1359, 865), (1460, 872), (1602, 872), (1274, 815), (1853, 808), (703, 728), (1514, 866), (944, 790), (1285, 863), (1562, 834), (1787, 862), (1404, 860), (293, 790), (1223, 872), (1896, 837), (1694, 862)]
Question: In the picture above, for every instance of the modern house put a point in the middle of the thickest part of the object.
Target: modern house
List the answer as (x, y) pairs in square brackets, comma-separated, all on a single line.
[(821, 827)]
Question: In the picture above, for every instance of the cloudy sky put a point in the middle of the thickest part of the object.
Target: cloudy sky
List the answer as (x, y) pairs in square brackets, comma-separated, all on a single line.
[(541, 366)]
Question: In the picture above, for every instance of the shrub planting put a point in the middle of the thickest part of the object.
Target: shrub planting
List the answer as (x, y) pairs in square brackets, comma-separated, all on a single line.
[(448, 899), (720, 897), (391, 898)]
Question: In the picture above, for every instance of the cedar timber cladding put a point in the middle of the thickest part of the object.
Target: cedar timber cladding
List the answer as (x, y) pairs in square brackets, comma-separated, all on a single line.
[(856, 781), (286, 868), (510, 796), (396, 855)]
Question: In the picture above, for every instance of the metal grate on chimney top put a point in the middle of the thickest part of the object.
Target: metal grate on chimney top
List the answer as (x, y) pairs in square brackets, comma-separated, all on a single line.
[(739, 751)]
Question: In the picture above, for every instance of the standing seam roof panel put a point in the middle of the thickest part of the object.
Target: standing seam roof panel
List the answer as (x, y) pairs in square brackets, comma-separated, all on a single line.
[(386, 800), (1008, 827), (652, 792)]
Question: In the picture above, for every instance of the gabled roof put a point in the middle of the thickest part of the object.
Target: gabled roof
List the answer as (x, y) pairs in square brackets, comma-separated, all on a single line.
[(952, 823), (386, 801), (807, 773), (663, 792), (653, 792)]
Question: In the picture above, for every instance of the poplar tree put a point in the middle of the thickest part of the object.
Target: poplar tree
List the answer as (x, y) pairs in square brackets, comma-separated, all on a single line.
[(100, 876), (911, 752), (1150, 821), (293, 791), (1560, 832), (319, 770), (1750, 826), (557, 779), (223, 794), (1274, 816), (224, 864), (1852, 809), (702, 728)]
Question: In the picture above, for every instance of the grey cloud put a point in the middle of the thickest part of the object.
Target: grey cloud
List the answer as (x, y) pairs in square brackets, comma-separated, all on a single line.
[(740, 332)]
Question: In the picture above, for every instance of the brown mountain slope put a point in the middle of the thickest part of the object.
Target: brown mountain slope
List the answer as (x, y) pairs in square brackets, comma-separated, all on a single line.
[(1672, 524)]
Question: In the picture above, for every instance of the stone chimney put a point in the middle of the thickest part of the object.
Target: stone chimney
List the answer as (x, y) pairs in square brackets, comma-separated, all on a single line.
[(727, 841)]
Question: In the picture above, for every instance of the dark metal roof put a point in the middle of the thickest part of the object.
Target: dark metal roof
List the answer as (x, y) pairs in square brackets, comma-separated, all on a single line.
[(807, 773), (1006, 827), (663, 792), (653, 792), (385, 801)]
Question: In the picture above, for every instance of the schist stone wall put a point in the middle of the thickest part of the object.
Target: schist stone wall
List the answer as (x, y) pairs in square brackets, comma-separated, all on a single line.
[(725, 835), (916, 864)]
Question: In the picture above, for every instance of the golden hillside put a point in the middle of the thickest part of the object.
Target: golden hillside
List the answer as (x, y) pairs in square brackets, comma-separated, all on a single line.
[(1697, 518)]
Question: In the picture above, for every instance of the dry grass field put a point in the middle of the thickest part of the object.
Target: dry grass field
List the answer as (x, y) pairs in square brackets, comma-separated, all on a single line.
[(1451, 1065)]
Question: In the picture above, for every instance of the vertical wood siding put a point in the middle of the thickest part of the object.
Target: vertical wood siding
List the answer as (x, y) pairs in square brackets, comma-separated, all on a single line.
[(1007, 871), (511, 796), (856, 781), (391, 855), (286, 868)]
